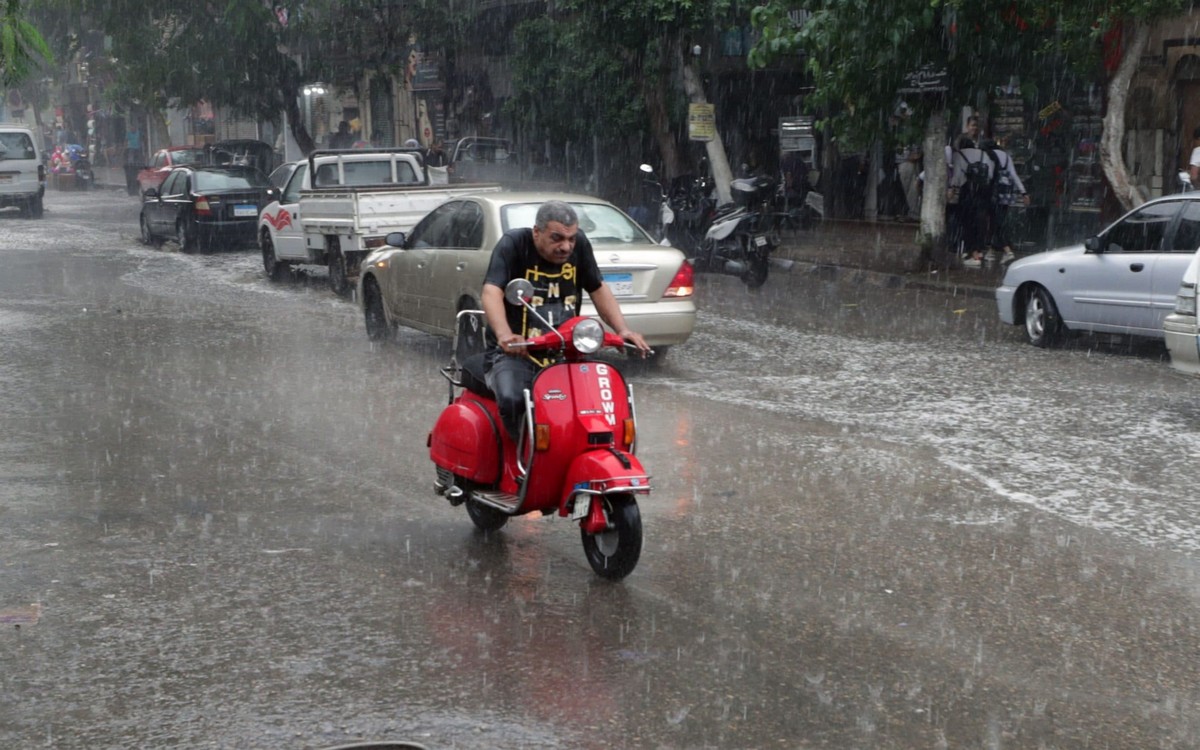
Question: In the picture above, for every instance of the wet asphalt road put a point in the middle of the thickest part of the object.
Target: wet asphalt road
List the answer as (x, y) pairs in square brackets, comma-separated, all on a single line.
[(880, 521)]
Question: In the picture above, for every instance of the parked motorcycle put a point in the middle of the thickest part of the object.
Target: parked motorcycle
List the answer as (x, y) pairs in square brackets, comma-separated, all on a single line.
[(84, 179), (736, 238), (575, 456)]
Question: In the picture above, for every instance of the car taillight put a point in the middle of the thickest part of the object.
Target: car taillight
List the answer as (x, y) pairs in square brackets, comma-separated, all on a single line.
[(1185, 301), (202, 206), (684, 282)]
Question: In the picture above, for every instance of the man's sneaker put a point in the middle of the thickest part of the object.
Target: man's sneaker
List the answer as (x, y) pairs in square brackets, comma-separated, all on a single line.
[(1009, 257), (971, 263)]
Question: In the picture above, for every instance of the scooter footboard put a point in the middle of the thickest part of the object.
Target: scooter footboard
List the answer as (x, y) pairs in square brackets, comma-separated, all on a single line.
[(604, 471)]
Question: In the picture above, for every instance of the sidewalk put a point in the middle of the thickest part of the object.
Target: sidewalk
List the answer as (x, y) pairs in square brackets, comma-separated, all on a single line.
[(879, 252), (885, 253)]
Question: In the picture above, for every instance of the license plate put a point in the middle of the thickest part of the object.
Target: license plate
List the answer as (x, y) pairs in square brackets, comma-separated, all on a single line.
[(621, 284), (244, 210), (760, 240), (583, 504)]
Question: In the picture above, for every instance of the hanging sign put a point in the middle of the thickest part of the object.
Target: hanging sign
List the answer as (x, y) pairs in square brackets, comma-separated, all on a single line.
[(702, 121)]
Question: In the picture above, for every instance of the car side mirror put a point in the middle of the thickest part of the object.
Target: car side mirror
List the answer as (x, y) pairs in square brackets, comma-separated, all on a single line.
[(395, 239), (1093, 245)]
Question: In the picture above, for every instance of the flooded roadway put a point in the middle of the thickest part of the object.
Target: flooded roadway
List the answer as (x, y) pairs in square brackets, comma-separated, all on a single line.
[(880, 520)]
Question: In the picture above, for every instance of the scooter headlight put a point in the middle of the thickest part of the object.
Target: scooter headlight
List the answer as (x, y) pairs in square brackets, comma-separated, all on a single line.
[(588, 336)]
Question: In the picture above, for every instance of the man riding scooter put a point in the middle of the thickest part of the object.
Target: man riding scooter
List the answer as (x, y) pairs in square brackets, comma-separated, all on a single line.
[(557, 259)]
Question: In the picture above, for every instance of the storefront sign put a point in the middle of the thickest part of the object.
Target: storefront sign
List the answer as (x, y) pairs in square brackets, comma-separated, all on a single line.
[(702, 121), (926, 80), (796, 134)]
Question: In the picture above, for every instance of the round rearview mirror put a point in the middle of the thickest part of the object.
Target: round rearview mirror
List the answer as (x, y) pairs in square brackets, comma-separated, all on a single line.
[(647, 169), (518, 290)]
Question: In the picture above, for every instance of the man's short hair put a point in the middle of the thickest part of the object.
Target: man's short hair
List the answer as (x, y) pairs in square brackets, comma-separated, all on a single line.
[(558, 211)]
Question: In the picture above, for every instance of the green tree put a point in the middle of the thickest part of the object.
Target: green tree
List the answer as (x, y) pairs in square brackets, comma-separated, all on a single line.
[(611, 68), (22, 48)]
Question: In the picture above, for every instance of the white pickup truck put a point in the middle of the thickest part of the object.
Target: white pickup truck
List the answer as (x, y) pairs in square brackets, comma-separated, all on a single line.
[(339, 205)]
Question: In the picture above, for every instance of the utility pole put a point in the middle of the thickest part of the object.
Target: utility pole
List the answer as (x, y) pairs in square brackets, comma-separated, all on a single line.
[(717, 160)]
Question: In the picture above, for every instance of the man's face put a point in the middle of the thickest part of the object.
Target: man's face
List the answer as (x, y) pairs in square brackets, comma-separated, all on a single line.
[(555, 242), (972, 128)]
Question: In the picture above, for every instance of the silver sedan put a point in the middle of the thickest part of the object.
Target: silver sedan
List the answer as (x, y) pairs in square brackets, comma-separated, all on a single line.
[(1123, 280), (439, 268)]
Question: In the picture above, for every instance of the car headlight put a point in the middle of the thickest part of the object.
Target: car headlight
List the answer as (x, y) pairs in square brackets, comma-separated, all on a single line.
[(588, 336), (1185, 301)]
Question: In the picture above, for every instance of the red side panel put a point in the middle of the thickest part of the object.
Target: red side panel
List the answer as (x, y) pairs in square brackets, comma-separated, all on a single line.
[(466, 441)]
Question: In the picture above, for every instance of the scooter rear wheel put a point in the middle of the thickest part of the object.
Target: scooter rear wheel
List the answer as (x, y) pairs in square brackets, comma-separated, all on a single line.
[(613, 554), (484, 517)]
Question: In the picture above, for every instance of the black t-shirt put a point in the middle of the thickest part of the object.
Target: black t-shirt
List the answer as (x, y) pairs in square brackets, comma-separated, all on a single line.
[(556, 289)]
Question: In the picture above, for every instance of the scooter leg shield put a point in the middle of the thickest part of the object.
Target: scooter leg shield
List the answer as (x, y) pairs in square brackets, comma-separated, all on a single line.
[(466, 441)]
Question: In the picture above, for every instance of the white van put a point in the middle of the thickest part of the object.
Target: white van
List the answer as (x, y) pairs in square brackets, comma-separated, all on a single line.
[(22, 173), (1180, 328)]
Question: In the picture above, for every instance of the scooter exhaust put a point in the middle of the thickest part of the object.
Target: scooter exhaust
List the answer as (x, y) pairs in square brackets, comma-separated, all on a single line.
[(735, 267)]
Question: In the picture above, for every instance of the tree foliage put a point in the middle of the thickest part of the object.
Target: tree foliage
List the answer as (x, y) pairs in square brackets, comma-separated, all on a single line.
[(608, 68), (22, 48)]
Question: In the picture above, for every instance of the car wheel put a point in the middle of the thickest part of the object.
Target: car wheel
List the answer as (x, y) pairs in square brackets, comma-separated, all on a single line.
[(36, 207), (148, 237), (271, 265), (185, 237), (378, 328), (338, 281), (1043, 327)]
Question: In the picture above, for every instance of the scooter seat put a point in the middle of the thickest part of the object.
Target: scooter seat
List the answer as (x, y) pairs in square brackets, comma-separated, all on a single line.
[(472, 375)]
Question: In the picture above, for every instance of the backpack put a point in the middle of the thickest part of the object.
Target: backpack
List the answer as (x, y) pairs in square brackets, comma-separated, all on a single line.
[(978, 185), (1002, 187)]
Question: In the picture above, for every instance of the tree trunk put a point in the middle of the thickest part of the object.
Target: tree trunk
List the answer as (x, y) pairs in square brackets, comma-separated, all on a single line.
[(654, 94), (296, 123), (717, 160), (933, 194), (1111, 141)]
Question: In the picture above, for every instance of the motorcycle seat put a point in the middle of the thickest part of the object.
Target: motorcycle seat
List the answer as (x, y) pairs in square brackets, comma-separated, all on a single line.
[(472, 375)]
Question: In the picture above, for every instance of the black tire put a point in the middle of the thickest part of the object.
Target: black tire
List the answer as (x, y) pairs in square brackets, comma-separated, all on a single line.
[(188, 242), (338, 280), (484, 517), (1043, 326), (613, 554), (274, 270), (148, 237), (378, 328), (36, 207), (756, 276)]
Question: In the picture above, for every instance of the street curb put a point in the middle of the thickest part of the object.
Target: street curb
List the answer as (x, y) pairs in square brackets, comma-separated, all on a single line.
[(883, 279)]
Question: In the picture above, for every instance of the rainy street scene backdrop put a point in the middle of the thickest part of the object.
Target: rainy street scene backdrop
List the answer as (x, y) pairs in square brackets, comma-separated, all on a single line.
[(878, 517)]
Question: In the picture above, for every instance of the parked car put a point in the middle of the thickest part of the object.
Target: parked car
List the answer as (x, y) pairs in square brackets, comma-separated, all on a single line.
[(1180, 328), (166, 159), (437, 269), (22, 172), (199, 206), (1123, 280)]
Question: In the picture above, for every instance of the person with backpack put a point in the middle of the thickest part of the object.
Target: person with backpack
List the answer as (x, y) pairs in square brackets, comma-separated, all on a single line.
[(1007, 190), (971, 187)]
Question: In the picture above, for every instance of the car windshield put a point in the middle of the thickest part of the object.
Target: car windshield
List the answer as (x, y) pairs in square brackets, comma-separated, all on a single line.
[(248, 178), (16, 146), (190, 156), (603, 224)]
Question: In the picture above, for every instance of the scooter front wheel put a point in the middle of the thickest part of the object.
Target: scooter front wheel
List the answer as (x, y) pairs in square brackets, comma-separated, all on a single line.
[(614, 553)]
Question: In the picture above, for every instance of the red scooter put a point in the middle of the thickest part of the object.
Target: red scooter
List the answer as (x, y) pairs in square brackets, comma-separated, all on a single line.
[(575, 456)]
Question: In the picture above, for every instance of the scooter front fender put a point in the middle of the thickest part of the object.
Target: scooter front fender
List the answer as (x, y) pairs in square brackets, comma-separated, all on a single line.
[(604, 471)]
